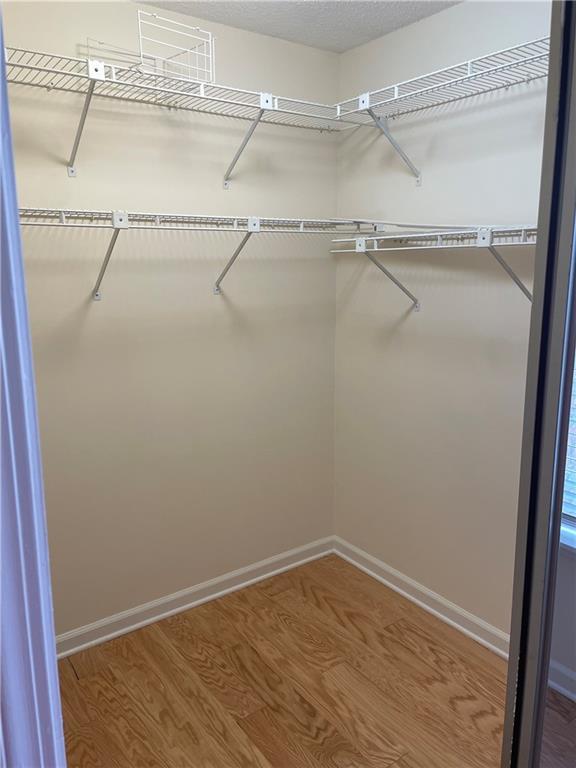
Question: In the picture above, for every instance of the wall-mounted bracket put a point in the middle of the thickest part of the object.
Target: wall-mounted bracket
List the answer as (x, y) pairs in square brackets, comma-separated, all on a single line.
[(267, 102), (382, 124), (253, 226), (485, 241), (119, 221), (361, 248), (96, 72)]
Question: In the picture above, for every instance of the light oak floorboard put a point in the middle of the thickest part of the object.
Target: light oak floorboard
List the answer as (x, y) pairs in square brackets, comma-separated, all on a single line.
[(318, 667)]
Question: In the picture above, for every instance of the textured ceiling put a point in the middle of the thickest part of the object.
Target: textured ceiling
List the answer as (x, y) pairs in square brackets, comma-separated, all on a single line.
[(334, 25)]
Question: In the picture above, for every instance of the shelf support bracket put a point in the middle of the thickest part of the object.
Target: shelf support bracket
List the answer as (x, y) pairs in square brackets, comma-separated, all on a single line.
[(484, 240), (510, 272), (361, 248), (119, 221), (267, 101), (96, 71), (382, 124), (253, 226)]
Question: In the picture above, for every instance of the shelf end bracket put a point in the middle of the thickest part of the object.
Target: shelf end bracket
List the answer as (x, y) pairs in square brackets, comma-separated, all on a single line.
[(382, 124), (96, 71), (485, 241), (361, 248), (119, 221), (253, 226)]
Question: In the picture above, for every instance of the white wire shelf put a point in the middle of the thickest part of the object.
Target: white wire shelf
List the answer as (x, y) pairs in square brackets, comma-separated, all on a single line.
[(64, 73), (57, 217), (472, 237), (369, 237), (503, 69), (490, 238), (245, 225), (509, 67)]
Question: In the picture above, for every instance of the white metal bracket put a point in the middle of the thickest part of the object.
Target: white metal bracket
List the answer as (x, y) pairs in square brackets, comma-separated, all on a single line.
[(253, 226), (364, 101), (484, 237), (382, 124), (267, 102), (361, 248), (484, 240), (96, 72), (120, 220), (96, 69)]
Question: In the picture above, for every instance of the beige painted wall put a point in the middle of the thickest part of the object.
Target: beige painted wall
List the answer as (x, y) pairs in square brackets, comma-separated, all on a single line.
[(184, 435), (429, 406)]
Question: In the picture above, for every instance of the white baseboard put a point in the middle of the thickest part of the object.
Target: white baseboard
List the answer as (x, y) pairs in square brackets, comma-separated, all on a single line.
[(139, 616), (469, 624), (134, 618), (563, 680)]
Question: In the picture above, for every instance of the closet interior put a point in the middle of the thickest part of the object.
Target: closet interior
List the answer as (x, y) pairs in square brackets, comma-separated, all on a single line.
[(280, 346)]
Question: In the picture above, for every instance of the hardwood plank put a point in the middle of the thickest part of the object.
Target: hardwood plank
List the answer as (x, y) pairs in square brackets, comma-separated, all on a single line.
[(295, 712), (197, 701), (370, 591), (428, 743), (414, 690), (141, 741), (214, 672), (335, 605), (92, 746), (248, 612), (444, 658), (206, 624), (277, 742), (276, 643), (74, 711)]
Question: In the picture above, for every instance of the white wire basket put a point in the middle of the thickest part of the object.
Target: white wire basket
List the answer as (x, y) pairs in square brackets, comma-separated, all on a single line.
[(172, 49)]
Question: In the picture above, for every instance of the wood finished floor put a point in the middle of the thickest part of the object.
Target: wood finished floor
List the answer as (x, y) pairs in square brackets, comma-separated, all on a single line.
[(320, 667)]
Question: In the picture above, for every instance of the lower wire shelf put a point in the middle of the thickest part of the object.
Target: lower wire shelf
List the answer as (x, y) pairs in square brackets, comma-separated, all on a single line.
[(366, 236)]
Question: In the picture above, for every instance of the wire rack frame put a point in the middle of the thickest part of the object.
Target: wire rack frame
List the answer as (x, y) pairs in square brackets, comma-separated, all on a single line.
[(65, 73), (168, 47), (434, 240), (56, 217), (499, 70)]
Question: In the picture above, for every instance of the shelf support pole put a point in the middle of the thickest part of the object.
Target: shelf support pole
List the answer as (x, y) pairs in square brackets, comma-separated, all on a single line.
[(96, 71), (245, 141), (361, 248), (119, 221), (70, 168), (237, 252), (267, 101), (510, 272), (382, 124)]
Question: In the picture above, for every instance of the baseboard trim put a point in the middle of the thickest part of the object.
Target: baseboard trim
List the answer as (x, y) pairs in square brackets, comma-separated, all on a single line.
[(563, 680), (147, 613), (134, 618), (487, 635)]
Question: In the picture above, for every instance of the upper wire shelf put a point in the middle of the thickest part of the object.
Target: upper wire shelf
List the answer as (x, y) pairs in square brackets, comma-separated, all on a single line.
[(164, 81), (502, 69), (65, 73)]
